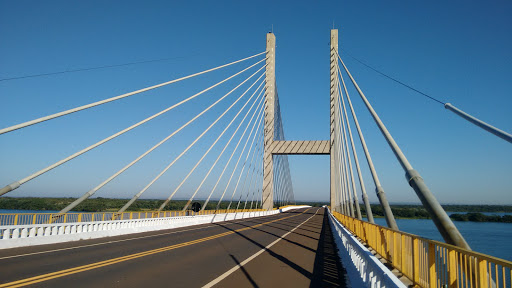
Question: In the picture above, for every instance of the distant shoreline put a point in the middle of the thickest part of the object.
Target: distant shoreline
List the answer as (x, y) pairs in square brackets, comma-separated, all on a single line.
[(400, 211)]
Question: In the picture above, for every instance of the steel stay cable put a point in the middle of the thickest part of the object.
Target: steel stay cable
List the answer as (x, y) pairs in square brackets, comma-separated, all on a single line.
[(92, 68), (350, 168), (394, 147), (183, 152), (229, 141), (442, 221), (346, 193), (395, 80), (256, 123), (18, 183), (225, 146), (368, 209), (253, 164), (256, 112), (243, 165), (390, 219), (73, 110), (254, 191), (207, 129), (489, 128), (348, 188), (259, 175), (249, 165), (259, 179), (349, 160), (343, 168), (138, 194), (375, 177), (339, 158), (92, 191)]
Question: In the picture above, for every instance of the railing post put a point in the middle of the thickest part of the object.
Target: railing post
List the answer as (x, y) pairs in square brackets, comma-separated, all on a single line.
[(268, 162), (452, 269), (402, 253), (416, 260), (482, 273), (395, 249), (432, 275)]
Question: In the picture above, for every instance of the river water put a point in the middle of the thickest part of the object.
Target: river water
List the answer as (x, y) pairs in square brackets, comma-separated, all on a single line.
[(490, 238), (485, 237)]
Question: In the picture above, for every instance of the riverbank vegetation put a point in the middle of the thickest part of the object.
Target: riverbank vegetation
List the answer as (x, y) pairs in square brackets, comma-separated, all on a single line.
[(96, 204), (418, 212), (479, 217), (109, 204)]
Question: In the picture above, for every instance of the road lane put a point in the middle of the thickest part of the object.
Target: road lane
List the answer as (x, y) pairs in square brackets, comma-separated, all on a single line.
[(191, 257), (307, 257)]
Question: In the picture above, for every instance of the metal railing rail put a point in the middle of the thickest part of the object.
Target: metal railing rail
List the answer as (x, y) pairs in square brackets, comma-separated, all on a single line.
[(430, 263), (45, 218)]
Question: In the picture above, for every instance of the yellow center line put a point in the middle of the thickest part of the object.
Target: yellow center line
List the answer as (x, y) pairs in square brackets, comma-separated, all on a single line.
[(87, 267)]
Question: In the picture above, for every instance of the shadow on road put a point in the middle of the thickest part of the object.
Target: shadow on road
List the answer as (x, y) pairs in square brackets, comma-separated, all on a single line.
[(327, 271)]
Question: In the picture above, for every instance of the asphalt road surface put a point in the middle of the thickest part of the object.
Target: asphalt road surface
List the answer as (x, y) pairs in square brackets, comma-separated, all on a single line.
[(292, 249)]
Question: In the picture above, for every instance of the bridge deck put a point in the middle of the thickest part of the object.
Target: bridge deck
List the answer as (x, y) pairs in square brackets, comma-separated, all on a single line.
[(191, 256)]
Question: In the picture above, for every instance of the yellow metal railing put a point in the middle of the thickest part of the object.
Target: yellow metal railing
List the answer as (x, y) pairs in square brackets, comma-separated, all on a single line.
[(429, 263), (44, 218)]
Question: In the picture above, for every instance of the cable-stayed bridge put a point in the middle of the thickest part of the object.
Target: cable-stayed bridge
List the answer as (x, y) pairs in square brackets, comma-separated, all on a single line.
[(254, 234)]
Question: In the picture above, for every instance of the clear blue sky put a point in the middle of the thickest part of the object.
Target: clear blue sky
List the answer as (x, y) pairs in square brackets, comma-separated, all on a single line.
[(457, 51)]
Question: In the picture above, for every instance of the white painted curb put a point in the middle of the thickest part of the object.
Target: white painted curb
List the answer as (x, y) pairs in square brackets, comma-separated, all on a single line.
[(363, 268), (12, 236)]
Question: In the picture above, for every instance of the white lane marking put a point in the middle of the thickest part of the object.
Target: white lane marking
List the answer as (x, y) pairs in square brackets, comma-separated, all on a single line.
[(238, 266), (129, 239)]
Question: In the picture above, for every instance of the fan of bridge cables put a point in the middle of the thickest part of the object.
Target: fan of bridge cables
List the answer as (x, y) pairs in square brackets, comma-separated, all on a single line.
[(219, 157)]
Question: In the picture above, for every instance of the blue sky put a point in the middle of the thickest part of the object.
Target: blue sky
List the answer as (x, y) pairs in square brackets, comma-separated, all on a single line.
[(457, 51)]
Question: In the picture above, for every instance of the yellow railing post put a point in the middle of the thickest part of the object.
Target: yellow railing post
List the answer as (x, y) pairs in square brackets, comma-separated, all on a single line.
[(432, 275), (34, 220), (395, 249), (79, 217), (416, 260), (452, 268), (482, 273), (402, 254), (16, 219)]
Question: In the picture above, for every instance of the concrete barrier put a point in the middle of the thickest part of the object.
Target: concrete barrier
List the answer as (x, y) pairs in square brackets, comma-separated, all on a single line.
[(363, 268), (12, 236)]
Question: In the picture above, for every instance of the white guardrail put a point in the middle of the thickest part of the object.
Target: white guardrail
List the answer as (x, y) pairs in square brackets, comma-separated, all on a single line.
[(38, 234), (363, 268), (12, 236)]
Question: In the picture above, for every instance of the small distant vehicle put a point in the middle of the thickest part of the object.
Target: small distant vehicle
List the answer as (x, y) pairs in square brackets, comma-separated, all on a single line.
[(196, 206)]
